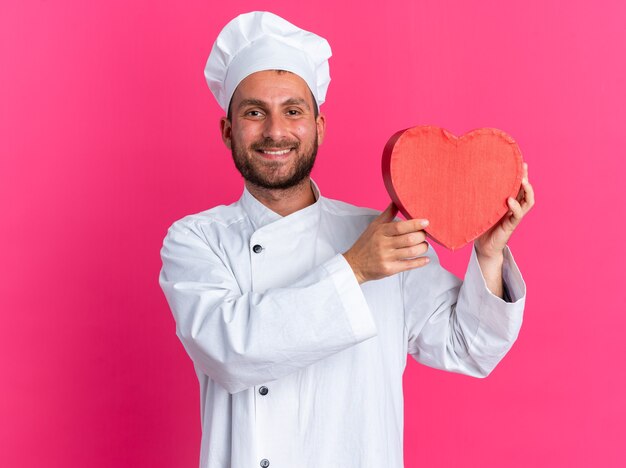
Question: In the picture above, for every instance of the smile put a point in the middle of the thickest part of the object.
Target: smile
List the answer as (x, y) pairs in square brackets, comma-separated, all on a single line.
[(277, 152)]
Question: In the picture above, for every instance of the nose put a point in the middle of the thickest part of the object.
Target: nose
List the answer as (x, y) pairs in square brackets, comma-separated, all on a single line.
[(274, 128)]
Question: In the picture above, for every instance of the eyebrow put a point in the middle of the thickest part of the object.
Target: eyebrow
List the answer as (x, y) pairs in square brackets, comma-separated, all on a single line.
[(251, 102), (296, 102), (260, 103)]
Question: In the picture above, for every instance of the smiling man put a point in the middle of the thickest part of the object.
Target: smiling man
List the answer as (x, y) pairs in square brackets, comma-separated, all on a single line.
[(273, 131), (299, 311)]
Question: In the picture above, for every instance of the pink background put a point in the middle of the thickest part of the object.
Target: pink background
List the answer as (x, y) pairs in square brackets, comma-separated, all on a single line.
[(108, 134)]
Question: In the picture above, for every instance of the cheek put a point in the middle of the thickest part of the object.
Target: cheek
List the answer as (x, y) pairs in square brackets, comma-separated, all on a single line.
[(245, 135), (305, 131)]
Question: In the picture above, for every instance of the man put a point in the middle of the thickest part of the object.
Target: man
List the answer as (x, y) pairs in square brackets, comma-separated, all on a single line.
[(299, 311)]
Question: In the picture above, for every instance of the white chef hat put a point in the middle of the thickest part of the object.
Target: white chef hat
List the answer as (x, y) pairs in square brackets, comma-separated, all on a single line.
[(260, 41)]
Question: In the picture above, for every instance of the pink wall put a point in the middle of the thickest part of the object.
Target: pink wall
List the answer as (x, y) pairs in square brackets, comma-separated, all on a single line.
[(108, 134)]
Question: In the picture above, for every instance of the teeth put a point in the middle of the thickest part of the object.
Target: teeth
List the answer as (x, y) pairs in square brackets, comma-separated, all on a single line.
[(277, 153)]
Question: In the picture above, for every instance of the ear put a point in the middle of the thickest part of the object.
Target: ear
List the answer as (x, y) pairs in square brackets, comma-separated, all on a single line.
[(320, 122), (226, 129)]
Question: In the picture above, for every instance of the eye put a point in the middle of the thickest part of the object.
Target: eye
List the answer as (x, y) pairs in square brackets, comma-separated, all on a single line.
[(255, 114), (294, 112)]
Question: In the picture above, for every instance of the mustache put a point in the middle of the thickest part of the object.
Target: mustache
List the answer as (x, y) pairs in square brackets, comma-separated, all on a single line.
[(268, 143)]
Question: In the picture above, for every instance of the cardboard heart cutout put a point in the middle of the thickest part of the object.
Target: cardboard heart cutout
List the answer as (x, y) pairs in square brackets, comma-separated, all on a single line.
[(460, 184)]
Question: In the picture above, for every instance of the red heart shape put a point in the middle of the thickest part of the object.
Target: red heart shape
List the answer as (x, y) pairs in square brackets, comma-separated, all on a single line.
[(460, 185)]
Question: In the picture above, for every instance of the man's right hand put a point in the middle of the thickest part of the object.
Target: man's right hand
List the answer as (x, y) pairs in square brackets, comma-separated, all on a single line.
[(388, 247)]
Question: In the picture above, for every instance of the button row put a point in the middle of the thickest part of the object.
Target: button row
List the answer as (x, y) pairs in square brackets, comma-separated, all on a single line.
[(263, 391)]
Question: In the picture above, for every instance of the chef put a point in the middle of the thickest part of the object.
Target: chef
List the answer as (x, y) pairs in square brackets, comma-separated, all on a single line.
[(299, 311)]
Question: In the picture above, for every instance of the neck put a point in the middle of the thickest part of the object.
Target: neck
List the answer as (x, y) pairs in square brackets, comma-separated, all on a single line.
[(284, 201)]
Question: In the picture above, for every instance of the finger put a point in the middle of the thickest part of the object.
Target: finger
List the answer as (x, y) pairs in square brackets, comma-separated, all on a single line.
[(520, 193), (411, 264), (388, 215), (516, 209), (408, 240), (410, 252), (529, 196), (404, 227)]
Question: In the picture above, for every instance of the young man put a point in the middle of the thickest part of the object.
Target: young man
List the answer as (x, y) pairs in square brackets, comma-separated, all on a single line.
[(299, 311)]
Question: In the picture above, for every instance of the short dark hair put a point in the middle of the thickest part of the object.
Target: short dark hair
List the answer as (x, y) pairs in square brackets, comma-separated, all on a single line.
[(316, 111)]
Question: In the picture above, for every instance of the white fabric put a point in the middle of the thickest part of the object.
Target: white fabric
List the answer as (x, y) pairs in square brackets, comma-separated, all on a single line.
[(331, 353), (260, 41)]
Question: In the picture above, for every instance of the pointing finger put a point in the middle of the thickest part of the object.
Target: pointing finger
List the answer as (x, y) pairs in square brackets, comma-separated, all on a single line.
[(404, 227)]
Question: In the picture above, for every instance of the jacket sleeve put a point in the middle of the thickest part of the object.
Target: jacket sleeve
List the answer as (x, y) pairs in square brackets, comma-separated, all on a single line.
[(462, 327), (242, 339)]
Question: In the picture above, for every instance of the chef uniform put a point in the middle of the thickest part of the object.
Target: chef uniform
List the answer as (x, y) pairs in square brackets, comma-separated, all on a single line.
[(300, 366)]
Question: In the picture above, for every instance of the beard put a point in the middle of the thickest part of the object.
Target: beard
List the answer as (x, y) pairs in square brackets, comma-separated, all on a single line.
[(266, 174)]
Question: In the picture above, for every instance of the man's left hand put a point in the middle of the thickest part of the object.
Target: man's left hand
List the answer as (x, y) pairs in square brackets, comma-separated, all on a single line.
[(491, 244)]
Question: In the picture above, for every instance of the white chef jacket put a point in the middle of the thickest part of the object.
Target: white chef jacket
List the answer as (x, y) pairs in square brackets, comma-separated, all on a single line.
[(299, 365)]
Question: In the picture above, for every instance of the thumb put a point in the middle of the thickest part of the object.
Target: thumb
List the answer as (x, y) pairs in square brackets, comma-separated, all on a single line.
[(388, 215)]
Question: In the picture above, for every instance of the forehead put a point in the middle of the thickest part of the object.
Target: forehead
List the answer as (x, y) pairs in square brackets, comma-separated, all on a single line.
[(272, 86)]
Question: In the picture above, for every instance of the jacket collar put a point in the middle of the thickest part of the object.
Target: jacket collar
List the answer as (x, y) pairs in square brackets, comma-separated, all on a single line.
[(262, 216)]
